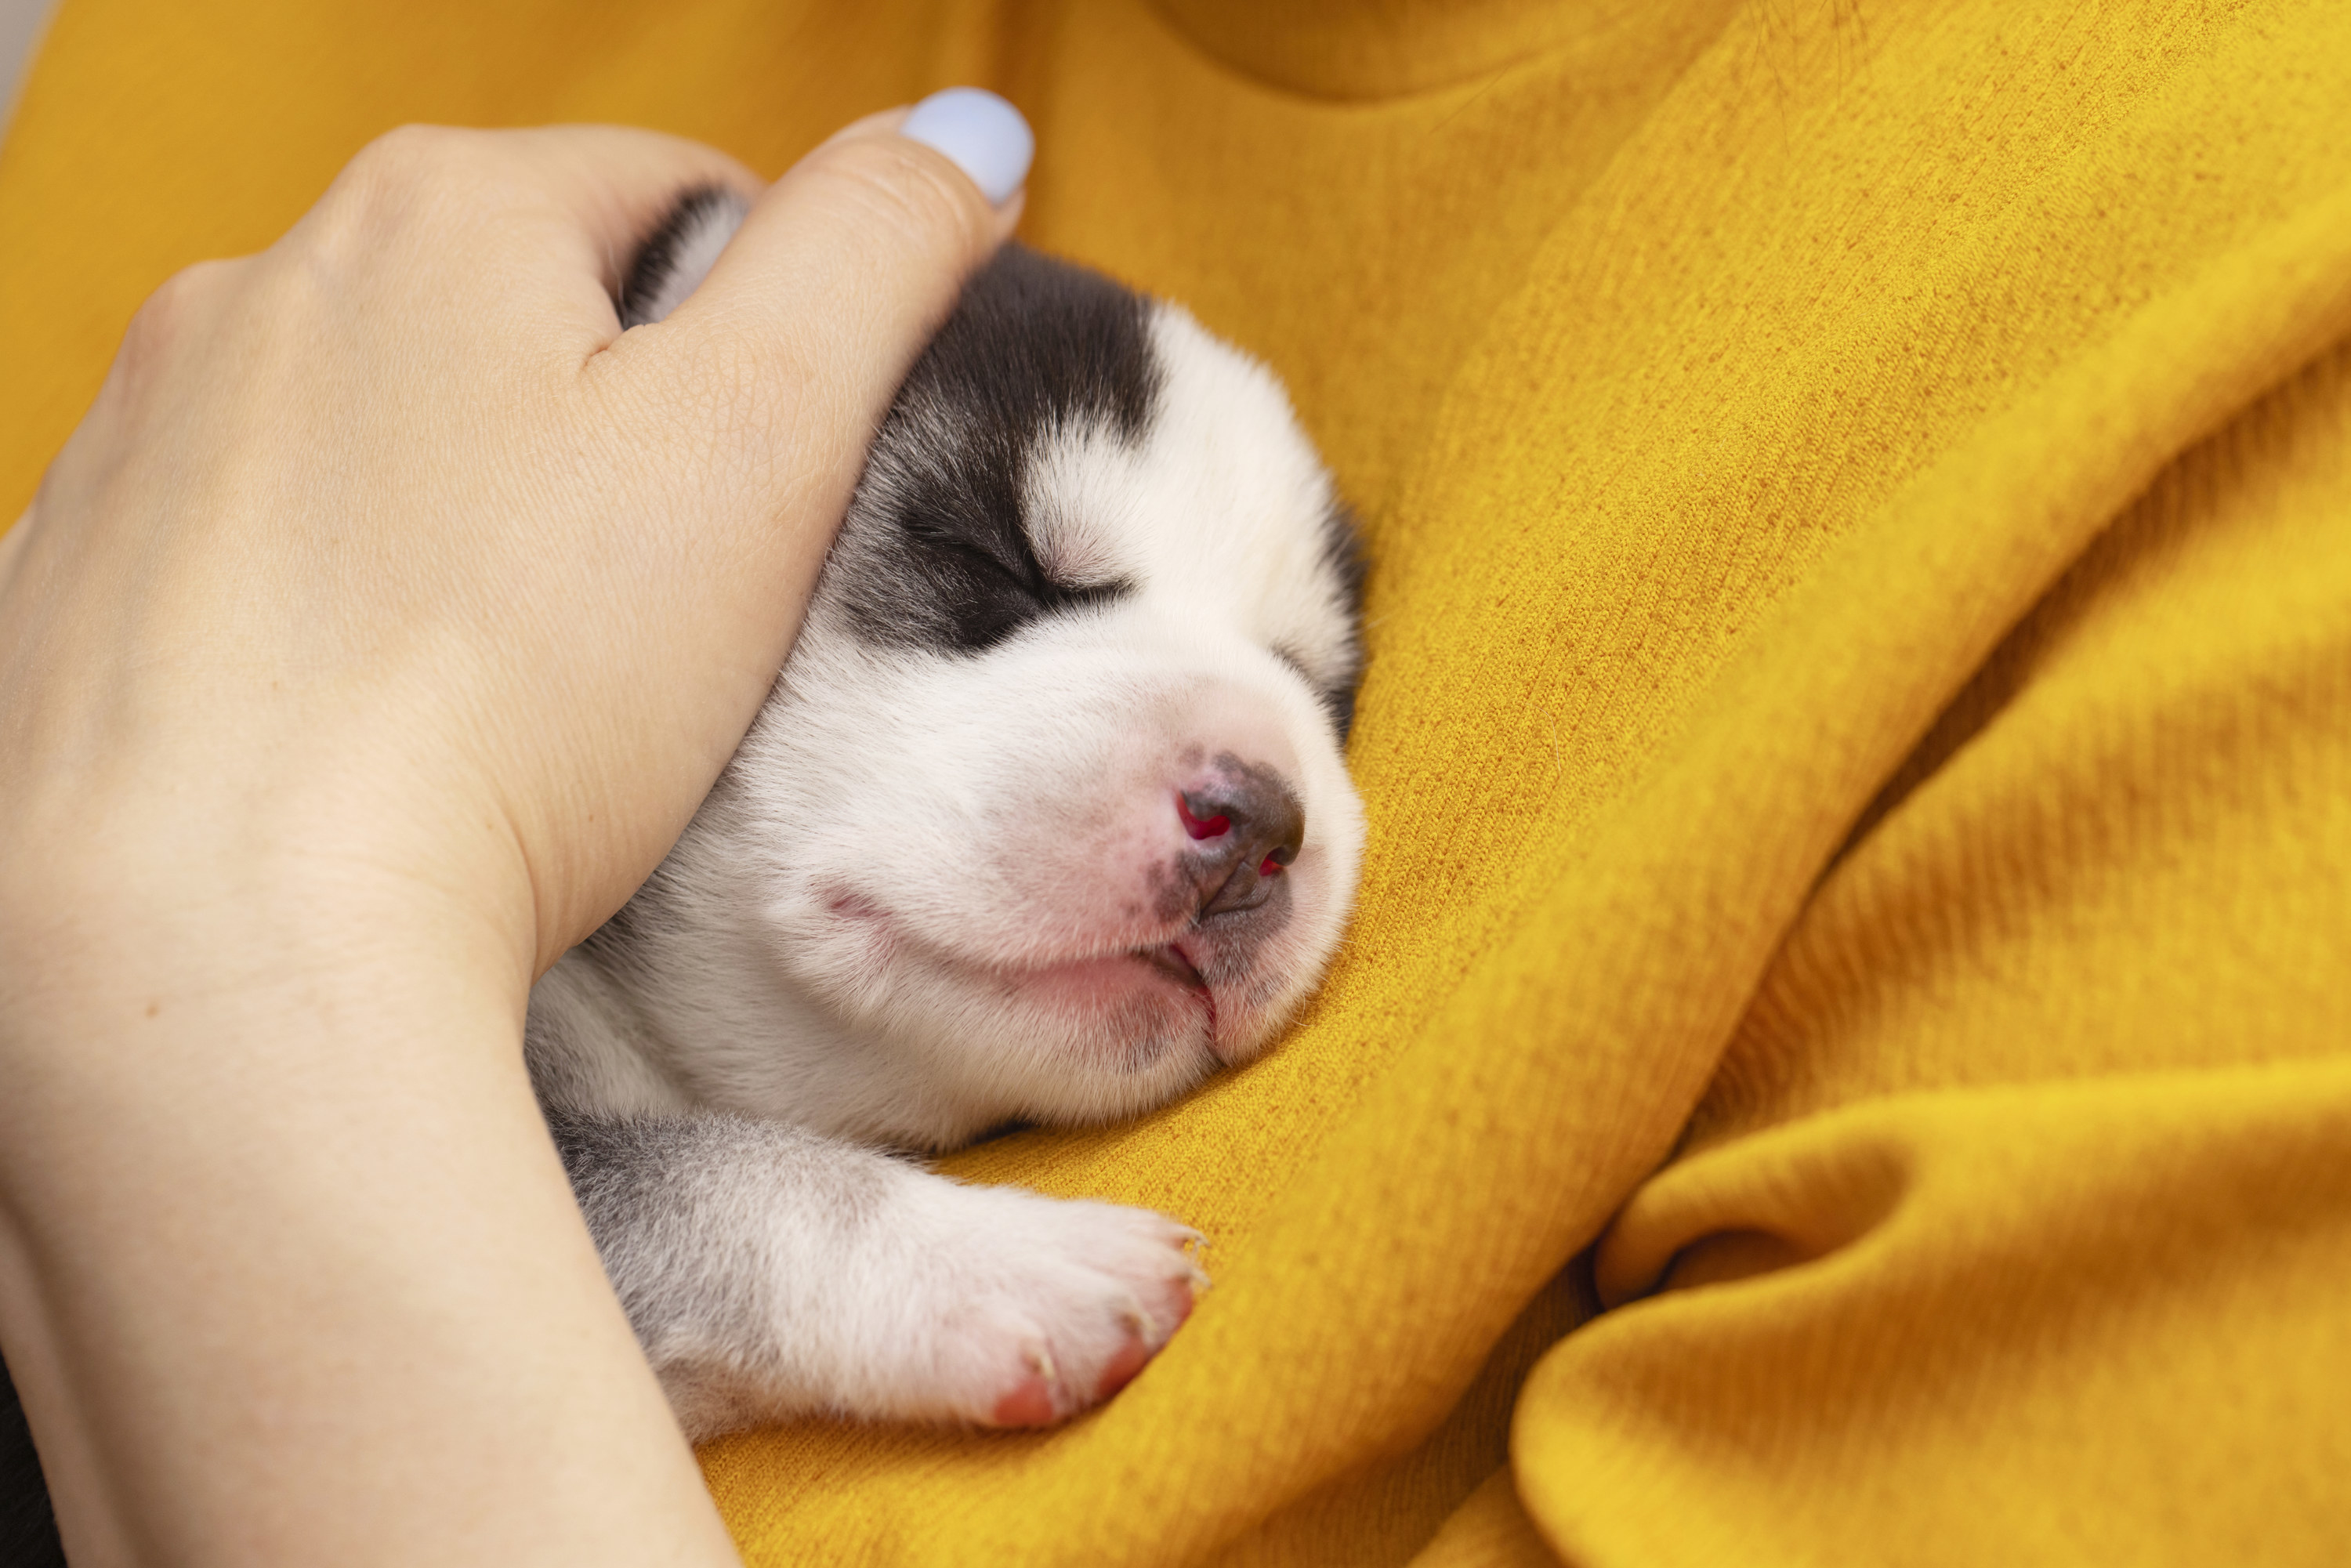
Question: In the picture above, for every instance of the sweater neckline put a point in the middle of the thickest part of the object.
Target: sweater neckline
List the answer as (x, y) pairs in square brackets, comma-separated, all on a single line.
[(1361, 50)]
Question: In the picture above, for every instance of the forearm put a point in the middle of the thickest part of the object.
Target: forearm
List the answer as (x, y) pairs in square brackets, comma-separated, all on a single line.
[(289, 1271)]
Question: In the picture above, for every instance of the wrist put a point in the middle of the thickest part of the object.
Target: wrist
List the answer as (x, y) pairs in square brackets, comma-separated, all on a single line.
[(277, 1214)]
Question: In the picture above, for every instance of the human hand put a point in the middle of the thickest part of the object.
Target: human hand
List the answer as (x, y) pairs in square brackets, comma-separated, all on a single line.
[(389, 550), (370, 639)]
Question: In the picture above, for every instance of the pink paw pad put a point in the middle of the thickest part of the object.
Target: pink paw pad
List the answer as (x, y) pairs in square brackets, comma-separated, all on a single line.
[(1134, 1354), (1121, 1368), (1030, 1403)]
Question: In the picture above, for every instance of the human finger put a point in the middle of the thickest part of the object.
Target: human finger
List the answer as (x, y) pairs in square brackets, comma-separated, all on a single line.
[(839, 273)]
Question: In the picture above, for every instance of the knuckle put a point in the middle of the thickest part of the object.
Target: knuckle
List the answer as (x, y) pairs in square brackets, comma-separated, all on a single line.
[(167, 316), (169, 303), (409, 152), (397, 181)]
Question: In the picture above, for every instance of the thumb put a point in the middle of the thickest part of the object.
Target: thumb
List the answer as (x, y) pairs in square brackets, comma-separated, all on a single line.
[(842, 271)]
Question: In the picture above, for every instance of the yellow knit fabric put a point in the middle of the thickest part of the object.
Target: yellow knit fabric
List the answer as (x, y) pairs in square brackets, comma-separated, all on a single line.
[(1858, 738)]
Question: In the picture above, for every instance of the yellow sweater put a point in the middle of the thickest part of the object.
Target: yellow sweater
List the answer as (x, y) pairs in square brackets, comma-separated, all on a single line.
[(1858, 738)]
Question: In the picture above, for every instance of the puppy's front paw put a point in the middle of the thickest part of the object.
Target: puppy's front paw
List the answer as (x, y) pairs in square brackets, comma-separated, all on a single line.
[(1028, 1310)]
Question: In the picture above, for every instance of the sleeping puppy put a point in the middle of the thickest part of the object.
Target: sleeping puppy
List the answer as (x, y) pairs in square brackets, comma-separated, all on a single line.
[(1045, 820)]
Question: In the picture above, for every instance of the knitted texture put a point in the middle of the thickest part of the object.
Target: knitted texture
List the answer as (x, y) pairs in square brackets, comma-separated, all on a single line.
[(1858, 741)]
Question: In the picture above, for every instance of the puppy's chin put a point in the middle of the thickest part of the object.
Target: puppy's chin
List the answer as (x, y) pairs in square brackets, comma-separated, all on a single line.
[(1136, 1005), (1078, 1044)]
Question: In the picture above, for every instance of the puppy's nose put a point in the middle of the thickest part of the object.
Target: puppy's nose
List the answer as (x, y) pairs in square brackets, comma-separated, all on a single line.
[(1246, 826)]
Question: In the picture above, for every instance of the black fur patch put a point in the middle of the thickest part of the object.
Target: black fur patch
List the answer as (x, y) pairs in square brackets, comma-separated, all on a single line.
[(658, 259), (942, 558), (1342, 553)]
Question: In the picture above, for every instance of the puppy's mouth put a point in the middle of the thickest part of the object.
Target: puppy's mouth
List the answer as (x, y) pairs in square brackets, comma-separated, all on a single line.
[(1169, 960), (1106, 974)]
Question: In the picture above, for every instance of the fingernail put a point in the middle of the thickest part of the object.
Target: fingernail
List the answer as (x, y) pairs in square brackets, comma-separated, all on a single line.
[(983, 134)]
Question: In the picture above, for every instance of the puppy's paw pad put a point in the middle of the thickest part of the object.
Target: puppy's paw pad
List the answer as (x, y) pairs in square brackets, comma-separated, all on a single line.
[(1030, 1403), (1124, 1365)]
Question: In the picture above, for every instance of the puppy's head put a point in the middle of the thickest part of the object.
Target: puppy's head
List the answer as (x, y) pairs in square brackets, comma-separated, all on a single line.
[(1051, 798)]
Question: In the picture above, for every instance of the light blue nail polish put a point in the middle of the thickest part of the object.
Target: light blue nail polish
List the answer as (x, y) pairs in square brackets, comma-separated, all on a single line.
[(984, 135)]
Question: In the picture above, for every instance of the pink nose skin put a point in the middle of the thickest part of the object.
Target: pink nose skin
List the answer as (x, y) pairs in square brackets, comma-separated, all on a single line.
[(1246, 826), (1194, 826)]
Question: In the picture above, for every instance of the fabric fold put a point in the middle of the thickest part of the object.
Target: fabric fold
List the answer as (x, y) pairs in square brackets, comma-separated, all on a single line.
[(2018, 1329)]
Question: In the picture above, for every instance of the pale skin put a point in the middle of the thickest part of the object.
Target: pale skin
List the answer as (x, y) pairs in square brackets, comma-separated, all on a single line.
[(371, 638)]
